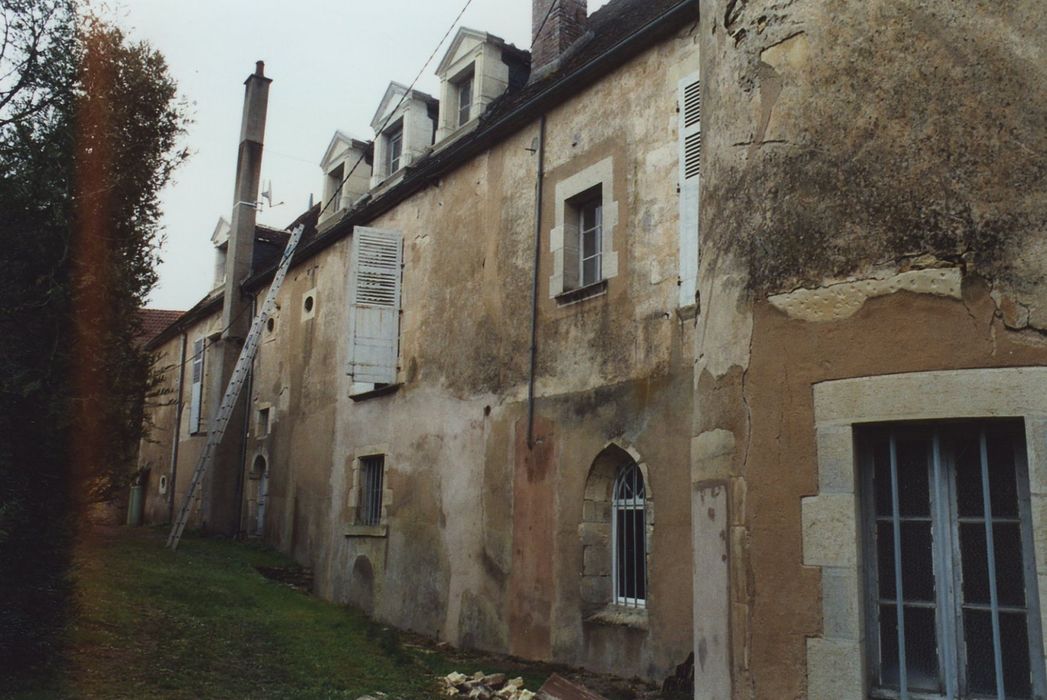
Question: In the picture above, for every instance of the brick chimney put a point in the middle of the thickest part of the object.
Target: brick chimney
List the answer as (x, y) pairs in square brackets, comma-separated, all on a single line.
[(555, 24)]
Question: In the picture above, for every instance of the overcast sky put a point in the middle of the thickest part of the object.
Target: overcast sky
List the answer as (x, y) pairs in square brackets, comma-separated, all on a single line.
[(330, 61)]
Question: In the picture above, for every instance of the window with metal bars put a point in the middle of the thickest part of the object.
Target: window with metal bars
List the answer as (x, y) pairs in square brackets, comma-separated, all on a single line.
[(629, 537), (369, 505), (952, 600)]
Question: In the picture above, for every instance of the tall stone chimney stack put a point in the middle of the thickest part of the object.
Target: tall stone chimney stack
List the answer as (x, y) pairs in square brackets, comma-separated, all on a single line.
[(555, 24), (222, 482)]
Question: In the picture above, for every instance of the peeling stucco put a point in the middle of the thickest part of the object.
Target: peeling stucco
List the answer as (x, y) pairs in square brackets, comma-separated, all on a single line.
[(844, 299)]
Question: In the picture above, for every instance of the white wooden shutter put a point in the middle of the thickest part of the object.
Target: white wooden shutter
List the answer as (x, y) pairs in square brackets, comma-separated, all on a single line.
[(374, 305), (197, 392), (690, 97)]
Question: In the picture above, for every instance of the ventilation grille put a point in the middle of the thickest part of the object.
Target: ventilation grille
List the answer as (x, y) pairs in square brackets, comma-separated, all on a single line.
[(692, 155), (692, 104)]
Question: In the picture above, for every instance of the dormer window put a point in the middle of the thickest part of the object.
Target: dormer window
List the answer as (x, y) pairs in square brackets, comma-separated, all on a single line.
[(335, 184), (403, 128), (347, 174), (465, 98), (394, 145), (477, 68)]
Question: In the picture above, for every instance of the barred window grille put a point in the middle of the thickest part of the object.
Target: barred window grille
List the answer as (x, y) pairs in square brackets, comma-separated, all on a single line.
[(372, 475), (629, 525)]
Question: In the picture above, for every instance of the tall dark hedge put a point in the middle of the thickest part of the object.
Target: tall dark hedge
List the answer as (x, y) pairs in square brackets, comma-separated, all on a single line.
[(89, 129)]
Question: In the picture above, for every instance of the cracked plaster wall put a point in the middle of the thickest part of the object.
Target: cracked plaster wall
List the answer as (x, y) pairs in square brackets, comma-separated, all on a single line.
[(874, 201)]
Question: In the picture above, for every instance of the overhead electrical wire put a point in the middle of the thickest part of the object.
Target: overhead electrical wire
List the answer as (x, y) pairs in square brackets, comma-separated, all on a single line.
[(381, 129)]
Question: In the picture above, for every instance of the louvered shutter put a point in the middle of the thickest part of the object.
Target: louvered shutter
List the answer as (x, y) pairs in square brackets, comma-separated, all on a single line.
[(690, 97), (374, 311), (197, 392)]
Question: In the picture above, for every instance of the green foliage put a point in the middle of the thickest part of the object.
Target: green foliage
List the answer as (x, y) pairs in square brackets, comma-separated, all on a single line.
[(89, 125)]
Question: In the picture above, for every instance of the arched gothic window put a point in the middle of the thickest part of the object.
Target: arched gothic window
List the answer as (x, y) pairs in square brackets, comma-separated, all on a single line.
[(629, 537)]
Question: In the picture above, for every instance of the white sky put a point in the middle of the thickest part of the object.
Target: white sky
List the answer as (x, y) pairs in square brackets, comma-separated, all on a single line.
[(330, 61)]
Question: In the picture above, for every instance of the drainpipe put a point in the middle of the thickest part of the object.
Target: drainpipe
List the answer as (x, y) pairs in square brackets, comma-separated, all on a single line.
[(534, 281), (240, 478), (177, 431)]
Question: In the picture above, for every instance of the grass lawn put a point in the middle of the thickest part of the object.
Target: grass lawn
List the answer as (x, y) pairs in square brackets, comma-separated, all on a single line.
[(203, 623)]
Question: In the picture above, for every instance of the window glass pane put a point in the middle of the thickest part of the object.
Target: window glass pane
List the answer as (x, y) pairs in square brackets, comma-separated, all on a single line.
[(591, 271), (885, 560), (889, 647), (1010, 576), (981, 672), (1014, 638), (913, 485), (630, 554), (917, 562), (921, 648), (1003, 488), (589, 219), (882, 475), (975, 563), (968, 474), (589, 244)]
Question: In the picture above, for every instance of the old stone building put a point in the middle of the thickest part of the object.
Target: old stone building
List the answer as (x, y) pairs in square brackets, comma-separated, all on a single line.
[(509, 401), (471, 412)]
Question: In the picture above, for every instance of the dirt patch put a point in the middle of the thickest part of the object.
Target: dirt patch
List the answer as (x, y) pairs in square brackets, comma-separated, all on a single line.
[(296, 577)]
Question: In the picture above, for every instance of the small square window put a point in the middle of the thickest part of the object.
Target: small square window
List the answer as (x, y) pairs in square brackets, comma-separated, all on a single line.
[(372, 477), (263, 422)]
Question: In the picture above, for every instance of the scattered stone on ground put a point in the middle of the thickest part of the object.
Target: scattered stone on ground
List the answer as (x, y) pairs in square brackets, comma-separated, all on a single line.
[(484, 687)]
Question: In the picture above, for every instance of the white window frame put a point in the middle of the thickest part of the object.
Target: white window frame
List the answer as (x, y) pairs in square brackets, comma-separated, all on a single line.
[(564, 239), (596, 231), (196, 387), (465, 88), (637, 502), (835, 659), (393, 164)]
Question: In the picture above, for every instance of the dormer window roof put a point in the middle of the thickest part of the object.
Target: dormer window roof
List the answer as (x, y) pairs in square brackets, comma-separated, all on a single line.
[(477, 68), (404, 126), (343, 185)]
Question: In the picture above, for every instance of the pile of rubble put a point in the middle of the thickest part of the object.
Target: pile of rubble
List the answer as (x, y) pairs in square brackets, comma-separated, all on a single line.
[(484, 687)]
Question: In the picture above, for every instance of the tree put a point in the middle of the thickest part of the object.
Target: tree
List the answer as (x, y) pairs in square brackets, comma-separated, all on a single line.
[(89, 127)]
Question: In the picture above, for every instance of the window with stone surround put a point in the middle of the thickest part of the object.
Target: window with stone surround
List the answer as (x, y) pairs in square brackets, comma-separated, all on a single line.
[(952, 606), (583, 239), (369, 493), (834, 539), (372, 477), (616, 529)]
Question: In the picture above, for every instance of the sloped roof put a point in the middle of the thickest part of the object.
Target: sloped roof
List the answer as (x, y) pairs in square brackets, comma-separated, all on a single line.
[(154, 322)]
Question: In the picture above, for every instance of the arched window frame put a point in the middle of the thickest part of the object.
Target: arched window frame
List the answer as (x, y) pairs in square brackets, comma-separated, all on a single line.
[(628, 535), (596, 585)]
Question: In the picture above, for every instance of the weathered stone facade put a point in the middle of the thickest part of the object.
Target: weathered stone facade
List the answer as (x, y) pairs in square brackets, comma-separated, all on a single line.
[(873, 215), (485, 540), (873, 244)]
